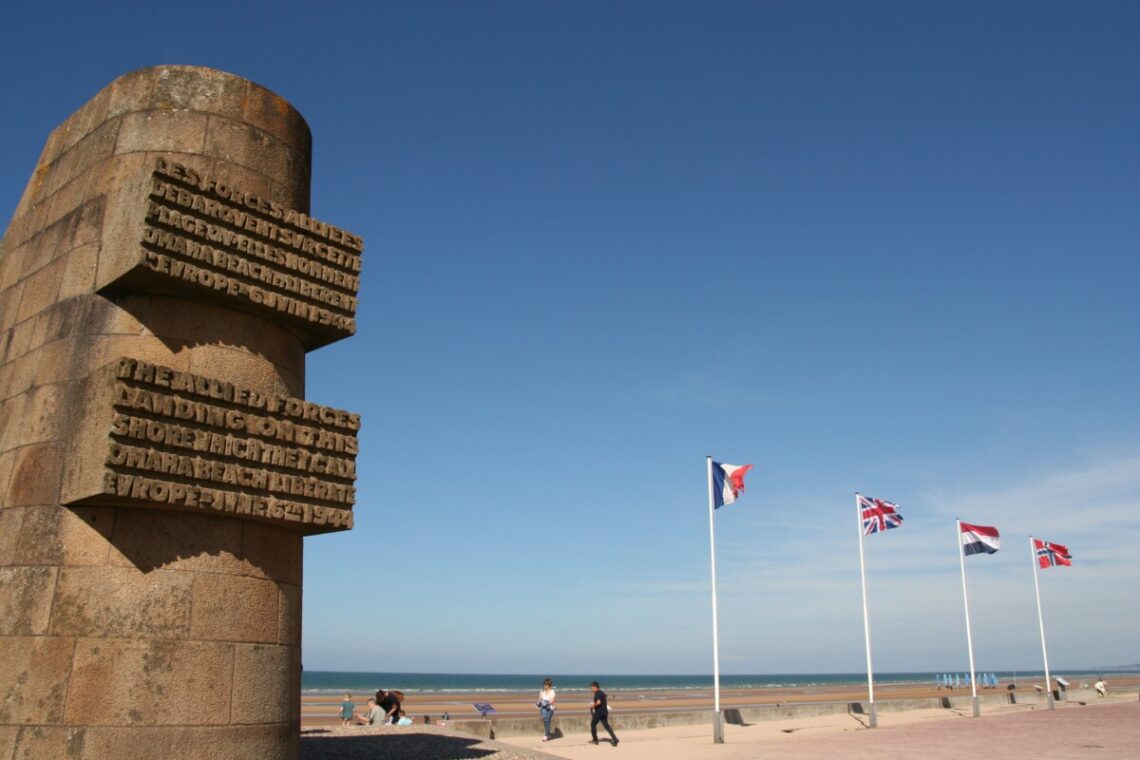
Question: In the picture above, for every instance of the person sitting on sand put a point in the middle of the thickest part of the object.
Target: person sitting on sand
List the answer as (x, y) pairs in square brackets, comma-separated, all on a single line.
[(373, 717), (399, 706), (347, 710)]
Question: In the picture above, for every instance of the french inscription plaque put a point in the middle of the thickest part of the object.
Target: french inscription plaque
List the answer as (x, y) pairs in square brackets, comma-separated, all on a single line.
[(214, 240)]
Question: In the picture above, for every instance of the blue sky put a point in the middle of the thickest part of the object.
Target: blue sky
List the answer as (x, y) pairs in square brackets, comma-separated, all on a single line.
[(885, 247)]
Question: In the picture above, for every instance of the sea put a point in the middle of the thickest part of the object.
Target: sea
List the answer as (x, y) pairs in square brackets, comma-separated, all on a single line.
[(319, 682)]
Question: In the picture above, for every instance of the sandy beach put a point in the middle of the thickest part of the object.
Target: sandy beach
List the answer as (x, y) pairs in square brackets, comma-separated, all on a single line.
[(1080, 727), (320, 711)]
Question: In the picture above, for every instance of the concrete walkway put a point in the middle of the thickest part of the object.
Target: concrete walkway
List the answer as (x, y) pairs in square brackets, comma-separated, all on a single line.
[(1106, 731)]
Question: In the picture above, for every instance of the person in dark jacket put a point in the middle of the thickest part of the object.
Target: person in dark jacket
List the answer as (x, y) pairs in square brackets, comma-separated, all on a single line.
[(600, 712), (389, 702)]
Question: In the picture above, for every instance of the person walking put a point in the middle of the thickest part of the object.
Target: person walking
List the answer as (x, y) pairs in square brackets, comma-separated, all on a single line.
[(545, 703), (600, 712)]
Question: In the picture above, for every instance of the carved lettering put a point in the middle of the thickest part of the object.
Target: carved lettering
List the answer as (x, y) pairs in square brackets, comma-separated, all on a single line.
[(215, 281), (145, 489), (306, 269), (254, 202), (247, 449), (210, 234), (189, 441), (164, 377)]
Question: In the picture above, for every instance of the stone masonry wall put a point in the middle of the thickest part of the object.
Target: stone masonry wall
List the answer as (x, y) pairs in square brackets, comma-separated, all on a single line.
[(150, 571)]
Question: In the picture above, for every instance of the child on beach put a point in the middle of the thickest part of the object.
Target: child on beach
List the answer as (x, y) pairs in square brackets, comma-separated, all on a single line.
[(347, 710)]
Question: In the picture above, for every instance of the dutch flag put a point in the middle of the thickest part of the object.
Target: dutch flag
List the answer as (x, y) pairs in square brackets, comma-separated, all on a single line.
[(979, 538)]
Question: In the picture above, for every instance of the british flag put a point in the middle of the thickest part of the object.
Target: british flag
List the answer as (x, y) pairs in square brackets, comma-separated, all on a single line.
[(878, 515), (1052, 555)]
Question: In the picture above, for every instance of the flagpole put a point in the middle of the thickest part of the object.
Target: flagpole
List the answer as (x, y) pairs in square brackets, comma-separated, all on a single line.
[(718, 724), (969, 635), (1041, 624), (874, 721)]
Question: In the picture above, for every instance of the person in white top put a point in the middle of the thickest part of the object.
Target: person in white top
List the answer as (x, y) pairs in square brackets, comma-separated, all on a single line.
[(545, 704)]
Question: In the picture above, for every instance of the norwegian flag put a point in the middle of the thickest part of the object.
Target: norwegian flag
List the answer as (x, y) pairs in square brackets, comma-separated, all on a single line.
[(1051, 555), (878, 515)]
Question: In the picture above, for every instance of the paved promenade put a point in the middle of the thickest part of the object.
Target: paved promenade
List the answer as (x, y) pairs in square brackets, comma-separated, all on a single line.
[(1105, 731)]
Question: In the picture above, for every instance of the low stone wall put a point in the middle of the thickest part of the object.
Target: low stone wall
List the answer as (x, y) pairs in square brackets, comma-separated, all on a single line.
[(621, 720)]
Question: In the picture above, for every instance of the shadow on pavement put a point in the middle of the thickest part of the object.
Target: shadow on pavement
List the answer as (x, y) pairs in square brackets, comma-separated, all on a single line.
[(392, 747)]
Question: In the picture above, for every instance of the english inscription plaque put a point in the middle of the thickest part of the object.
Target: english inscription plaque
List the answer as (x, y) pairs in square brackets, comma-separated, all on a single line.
[(182, 441)]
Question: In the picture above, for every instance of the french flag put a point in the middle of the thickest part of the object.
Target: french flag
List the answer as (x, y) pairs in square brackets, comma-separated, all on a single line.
[(979, 538), (728, 482)]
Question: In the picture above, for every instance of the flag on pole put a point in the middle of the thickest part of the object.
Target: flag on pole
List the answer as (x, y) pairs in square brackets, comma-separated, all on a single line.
[(1051, 555), (878, 515), (728, 482), (979, 538)]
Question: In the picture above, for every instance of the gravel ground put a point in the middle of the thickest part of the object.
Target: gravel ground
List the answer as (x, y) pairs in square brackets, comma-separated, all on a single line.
[(406, 743)]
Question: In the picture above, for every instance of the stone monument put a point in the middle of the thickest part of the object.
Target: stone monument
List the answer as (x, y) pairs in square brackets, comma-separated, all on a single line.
[(160, 283)]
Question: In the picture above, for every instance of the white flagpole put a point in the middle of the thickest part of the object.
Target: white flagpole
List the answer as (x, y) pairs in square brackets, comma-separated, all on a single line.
[(1041, 624), (718, 725), (969, 636), (874, 721)]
